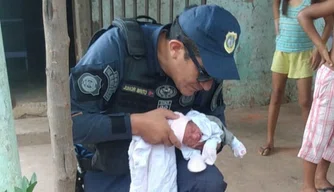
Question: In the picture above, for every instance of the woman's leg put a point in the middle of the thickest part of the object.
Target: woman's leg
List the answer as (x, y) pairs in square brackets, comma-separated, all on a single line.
[(278, 89)]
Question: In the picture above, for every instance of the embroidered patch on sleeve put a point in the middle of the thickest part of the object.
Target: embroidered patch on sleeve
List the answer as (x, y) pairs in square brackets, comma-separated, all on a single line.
[(90, 84), (113, 81)]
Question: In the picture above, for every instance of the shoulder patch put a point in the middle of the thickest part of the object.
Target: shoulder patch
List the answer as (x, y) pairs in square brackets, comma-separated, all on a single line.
[(214, 100), (94, 82), (90, 84), (112, 80)]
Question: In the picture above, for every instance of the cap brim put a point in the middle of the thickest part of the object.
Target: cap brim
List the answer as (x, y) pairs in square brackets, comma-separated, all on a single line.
[(219, 66)]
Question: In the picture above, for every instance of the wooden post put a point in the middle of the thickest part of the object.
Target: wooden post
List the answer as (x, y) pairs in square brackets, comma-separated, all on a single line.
[(10, 169), (58, 97), (83, 27)]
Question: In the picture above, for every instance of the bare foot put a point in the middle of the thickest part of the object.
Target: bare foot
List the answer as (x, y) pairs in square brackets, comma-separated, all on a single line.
[(266, 149)]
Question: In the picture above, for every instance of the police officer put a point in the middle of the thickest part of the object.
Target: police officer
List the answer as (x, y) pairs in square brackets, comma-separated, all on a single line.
[(134, 76)]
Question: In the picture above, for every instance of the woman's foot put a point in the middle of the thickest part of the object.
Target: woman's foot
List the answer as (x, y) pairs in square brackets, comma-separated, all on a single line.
[(266, 150)]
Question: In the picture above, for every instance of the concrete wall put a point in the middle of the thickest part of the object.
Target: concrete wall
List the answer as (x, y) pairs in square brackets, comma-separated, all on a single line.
[(253, 55)]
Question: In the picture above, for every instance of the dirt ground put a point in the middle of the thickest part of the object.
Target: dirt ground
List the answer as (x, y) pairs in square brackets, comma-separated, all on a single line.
[(279, 172)]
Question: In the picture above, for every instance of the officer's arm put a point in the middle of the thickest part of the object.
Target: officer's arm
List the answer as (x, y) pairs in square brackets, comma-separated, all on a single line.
[(93, 82), (92, 127)]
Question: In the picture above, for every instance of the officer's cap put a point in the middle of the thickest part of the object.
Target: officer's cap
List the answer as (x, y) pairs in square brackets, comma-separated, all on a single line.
[(216, 33)]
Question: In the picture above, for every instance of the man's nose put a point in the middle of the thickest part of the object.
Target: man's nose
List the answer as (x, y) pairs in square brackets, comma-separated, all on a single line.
[(206, 85)]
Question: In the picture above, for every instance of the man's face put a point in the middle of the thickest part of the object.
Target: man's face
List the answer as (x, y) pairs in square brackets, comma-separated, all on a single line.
[(186, 74), (192, 135)]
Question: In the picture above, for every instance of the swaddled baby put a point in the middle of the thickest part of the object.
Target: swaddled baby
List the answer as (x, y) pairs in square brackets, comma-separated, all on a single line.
[(194, 128), (153, 167)]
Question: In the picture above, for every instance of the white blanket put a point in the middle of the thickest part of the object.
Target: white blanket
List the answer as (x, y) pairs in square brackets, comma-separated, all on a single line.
[(153, 167)]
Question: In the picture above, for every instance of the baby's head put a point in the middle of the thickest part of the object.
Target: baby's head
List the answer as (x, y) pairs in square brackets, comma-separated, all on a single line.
[(186, 131), (192, 135)]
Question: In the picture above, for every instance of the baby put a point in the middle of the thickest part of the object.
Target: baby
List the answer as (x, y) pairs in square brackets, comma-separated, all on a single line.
[(195, 128), (153, 167)]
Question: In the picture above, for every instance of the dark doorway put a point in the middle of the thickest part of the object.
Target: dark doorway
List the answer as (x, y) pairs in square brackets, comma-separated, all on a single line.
[(24, 43)]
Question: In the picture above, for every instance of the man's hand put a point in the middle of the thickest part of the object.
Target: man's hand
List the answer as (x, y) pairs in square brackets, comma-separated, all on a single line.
[(153, 127)]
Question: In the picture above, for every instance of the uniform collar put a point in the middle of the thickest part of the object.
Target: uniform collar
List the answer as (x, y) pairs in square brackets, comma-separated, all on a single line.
[(155, 36)]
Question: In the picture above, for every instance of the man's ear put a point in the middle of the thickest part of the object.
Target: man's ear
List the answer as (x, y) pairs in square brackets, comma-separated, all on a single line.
[(175, 48)]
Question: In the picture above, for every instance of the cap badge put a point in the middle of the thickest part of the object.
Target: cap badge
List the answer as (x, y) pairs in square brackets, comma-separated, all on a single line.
[(230, 40)]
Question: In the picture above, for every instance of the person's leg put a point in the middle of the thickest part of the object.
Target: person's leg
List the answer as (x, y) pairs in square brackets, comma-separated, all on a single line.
[(319, 129), (278, 89), (309, 174), (321, 181), (280, 69), (302, 71), (99, 181), (304, 86), (209, 180)]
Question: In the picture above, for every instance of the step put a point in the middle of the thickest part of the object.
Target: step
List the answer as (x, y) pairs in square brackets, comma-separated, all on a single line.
[(32, 131), (30, 109)]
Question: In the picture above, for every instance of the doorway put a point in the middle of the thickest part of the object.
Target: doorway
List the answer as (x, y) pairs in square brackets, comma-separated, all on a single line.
[(24, 44)]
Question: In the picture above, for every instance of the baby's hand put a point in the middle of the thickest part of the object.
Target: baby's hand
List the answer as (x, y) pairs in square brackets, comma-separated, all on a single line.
[(238, 148)]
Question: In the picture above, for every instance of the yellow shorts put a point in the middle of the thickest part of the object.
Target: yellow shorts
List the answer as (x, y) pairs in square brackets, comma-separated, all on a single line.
[(295, 65)]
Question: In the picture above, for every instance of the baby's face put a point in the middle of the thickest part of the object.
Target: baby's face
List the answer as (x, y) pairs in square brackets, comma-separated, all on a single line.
[(192, 135)]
